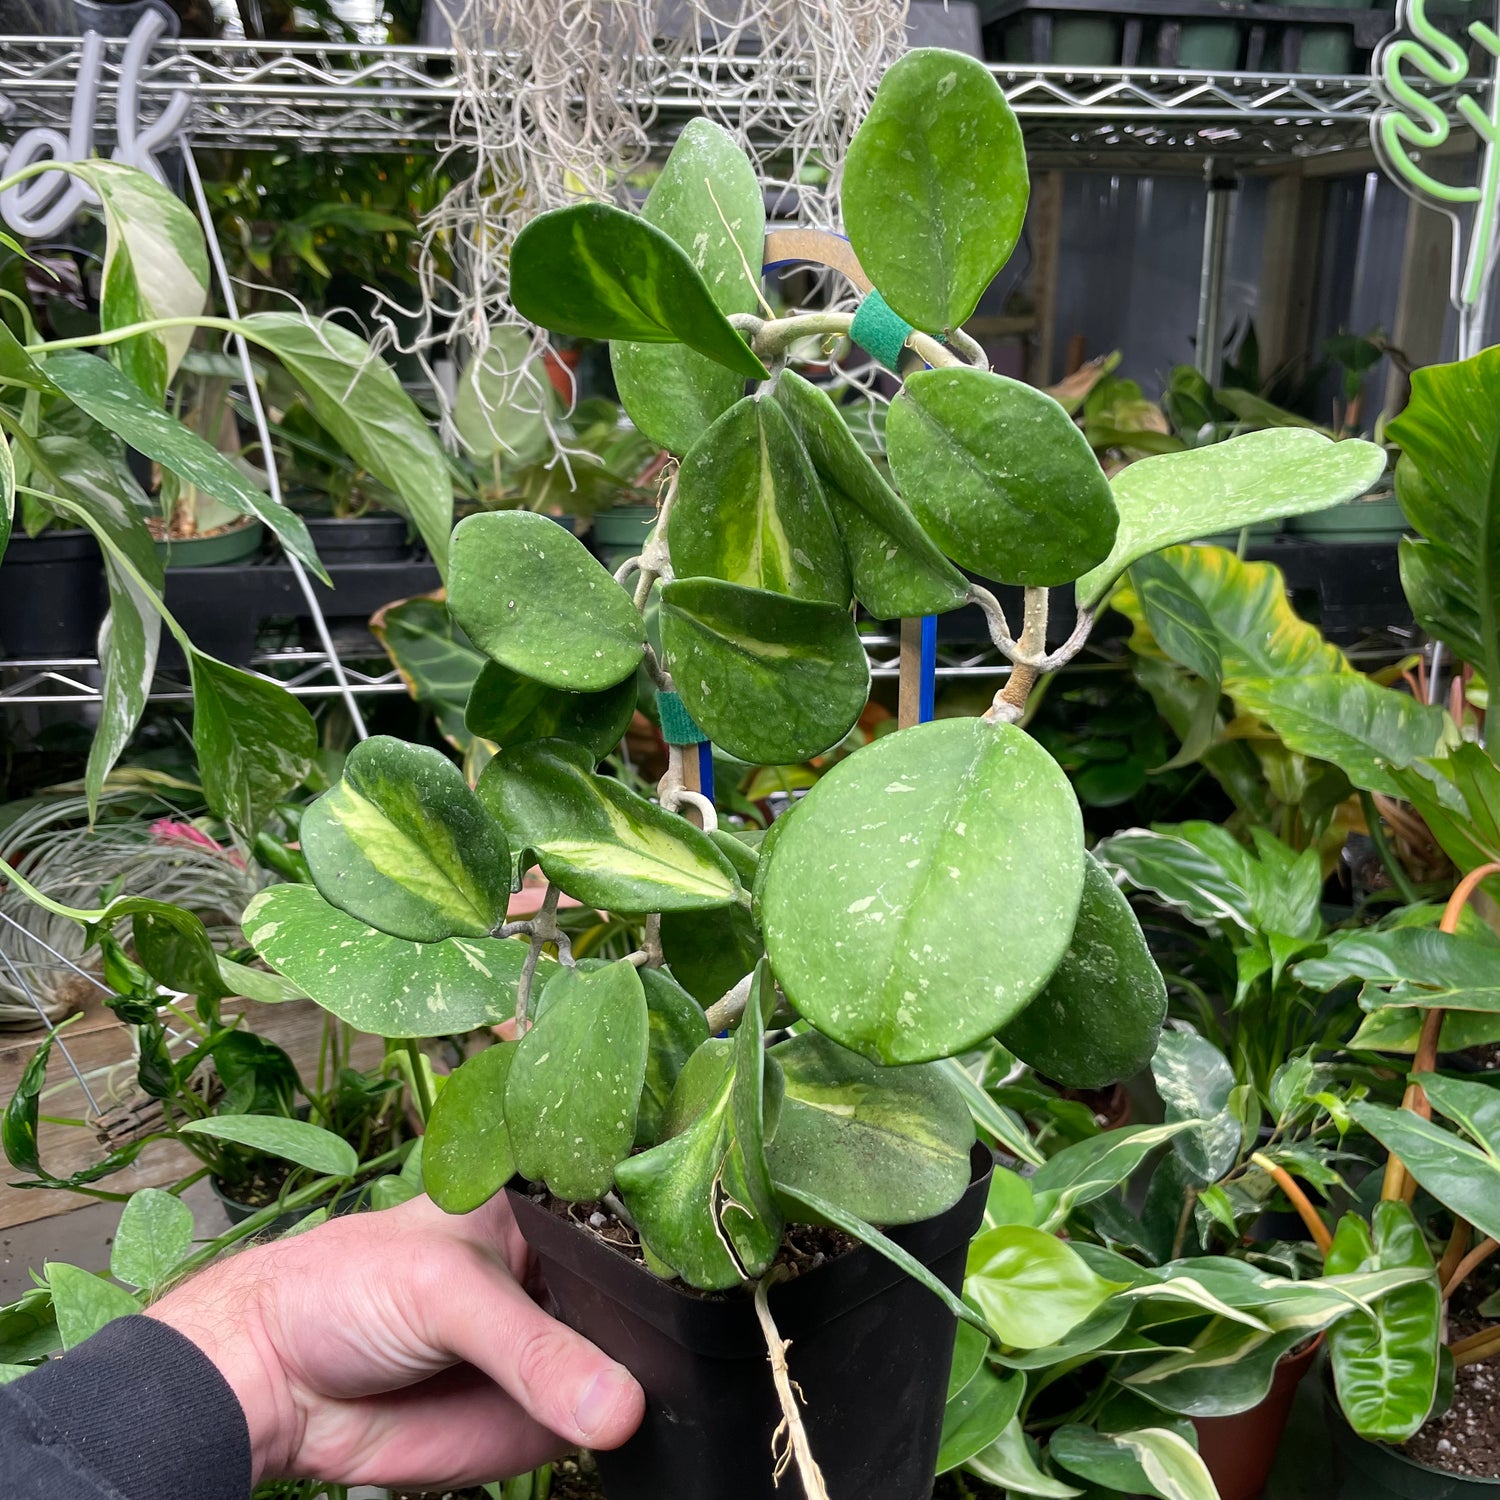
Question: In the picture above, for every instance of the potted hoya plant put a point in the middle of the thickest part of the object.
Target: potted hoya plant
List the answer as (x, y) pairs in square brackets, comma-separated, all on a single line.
[(798, 1159)]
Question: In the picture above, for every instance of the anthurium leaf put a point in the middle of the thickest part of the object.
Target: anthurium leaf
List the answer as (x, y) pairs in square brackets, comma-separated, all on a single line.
[(772, 680), (466, 1153), (358, 399), (1259, 476), (155, 266), (295, 1141), (898, 570), (83, 1303), (935, 187), (575, 1084), (433, 659), (598, 840), (677, 1030), (890, 1144), (505, 401), (750, 509), (509, 709), (1088, 1169), (1364, 729), (1195, 1081), (862, 910), (530, 596), (384, 985), (597, 272), (103, 393), (1098, 1018), (155, 1232), (978, 1414), (999, 476), (401, 842), (1010, 1463), (708, 200), (1030, 1286)]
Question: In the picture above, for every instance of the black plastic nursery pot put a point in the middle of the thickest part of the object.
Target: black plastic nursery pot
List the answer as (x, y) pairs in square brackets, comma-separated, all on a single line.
[(870, 1350), (359, 539), (51, 595), (237, 1211)]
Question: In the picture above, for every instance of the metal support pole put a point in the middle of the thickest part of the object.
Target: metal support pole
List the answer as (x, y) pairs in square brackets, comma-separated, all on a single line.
[(1211, 273)]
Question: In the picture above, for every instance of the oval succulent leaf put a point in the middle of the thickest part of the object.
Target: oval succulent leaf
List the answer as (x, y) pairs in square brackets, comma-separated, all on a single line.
[(530, 596), (750, 510), (509, 709), (600, 273), (1099, 1017), (575, 1083), (384, 985), (772, 680), (401, 842), (1000, 476), (935, 186), (598, 840), (869, 908), (466, 1153), (709, 201), (891, 1144)]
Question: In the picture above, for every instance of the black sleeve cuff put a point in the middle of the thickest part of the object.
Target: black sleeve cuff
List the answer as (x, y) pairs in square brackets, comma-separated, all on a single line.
[(145, 1411)]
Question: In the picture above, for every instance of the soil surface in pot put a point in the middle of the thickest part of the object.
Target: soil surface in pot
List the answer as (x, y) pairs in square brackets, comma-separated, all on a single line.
[(1466, 1438)]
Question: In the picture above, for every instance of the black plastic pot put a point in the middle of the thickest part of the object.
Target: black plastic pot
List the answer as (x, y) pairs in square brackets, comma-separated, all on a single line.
[(359, 539), (237, 1212), (51, 595), (870, 1349)]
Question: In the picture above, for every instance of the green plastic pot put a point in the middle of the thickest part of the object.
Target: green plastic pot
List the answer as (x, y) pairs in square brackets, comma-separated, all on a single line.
[(1261, 532), (1213, 46), (1077, 42), (620, 533), (1326, 49), (1376, 518), (233, 544)]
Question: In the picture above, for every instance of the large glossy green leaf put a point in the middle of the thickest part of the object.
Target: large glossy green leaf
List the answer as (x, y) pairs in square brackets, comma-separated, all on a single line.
[(103, 393), (509, 709), (1182, 873), (869, 906), (677, 1030), (1030, 1286), (358, 399), (1445, 963), (83, 1303), (935, 187), (384, 985), (575, 1084), (999, 476), (596, 272), (28, 1328), (155, 1232), (598, 840), (435, 662), (295, 1141), (898, 570), (750, 509), (1195, 1081), (466, 1153), (891, 1144), (977, 1414), (1448, 482), (1259, 476), (1088, 1169), (1099, 1016), (1010, 1464), (709, 201), (401, 842), (1342, 717), (770, 679), (530, 596), (1146, 1460), (1228, 1368)]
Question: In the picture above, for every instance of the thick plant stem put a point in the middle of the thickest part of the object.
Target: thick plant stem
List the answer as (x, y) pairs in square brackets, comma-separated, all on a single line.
[(1467, 1266), (1388, 856), (797, 1449), (1457, 1248), (421, 1087), (1010, 702), (1298, 1199), (1476, 1347), (723, 1013), (1398, 1182)]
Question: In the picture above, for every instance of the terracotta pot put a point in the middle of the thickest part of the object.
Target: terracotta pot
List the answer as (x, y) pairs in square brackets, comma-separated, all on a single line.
[(1241, 1449)]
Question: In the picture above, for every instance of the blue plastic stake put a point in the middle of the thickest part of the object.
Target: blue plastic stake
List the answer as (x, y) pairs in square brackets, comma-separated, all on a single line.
[(706, 769), (927, 694)]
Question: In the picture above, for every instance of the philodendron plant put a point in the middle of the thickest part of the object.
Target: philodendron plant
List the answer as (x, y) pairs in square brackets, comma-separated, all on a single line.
[(929, 891)]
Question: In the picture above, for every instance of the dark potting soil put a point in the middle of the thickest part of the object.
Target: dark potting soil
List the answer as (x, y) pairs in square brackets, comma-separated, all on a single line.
[(959, 1486), (804, 1247), (1466, 1438)]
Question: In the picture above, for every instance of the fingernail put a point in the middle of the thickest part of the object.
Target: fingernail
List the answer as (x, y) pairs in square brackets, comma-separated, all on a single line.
[(603, 1400)]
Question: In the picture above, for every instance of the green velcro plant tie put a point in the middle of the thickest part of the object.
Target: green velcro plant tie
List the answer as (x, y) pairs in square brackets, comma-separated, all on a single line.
[(677, 727), (879, 331)]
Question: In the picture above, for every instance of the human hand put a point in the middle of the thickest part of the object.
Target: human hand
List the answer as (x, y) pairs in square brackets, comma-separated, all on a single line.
[(399, 1348)]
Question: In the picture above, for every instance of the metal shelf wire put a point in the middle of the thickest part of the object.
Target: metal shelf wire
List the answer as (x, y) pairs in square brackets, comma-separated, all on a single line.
[(308, 95)]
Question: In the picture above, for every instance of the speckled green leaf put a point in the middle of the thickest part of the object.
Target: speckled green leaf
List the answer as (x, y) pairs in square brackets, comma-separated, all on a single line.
[(530, 596), (575, 1084), (596, 272), (466, 1153), (750, 509), (869, 908), (297, 1141), (770, 679), (154, 1233), (999, 476), (897, 569), (401, 842), (1030, 1286), (384, 985), (598, 840), (978, 1413), (1099, 1017), (678, 1029), (83, 1303), (891, 1144), (709, 201), (510, 709), (1259, 476), (935, 186)]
